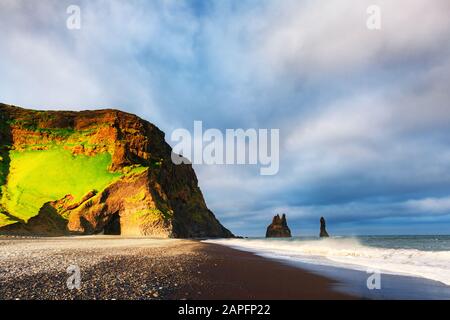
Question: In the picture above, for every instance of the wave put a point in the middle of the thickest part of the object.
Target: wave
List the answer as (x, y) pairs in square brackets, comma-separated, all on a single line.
[(350, 253)]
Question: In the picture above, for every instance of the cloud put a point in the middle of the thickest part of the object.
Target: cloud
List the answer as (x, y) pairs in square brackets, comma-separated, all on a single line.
[(430, 205), (325, 37)]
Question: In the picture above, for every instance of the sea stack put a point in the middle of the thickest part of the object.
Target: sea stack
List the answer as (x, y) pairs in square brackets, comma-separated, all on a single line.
[(323, 229), (278, 228)]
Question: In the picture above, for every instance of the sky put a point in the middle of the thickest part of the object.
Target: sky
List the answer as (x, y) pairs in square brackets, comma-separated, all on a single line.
[(364, 115)]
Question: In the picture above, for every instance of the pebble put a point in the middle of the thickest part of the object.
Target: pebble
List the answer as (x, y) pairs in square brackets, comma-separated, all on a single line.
[(37, 269)]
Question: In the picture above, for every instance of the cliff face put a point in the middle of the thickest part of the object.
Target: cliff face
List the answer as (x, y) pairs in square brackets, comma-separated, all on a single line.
[(278, 228), (92, 172)]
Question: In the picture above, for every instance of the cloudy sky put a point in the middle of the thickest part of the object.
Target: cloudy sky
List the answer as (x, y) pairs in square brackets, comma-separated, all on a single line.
[(364, 115)]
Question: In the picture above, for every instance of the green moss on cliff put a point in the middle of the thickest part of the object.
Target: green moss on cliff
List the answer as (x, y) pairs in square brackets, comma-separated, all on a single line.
[(5, 220), (36, 177), (152, 215)]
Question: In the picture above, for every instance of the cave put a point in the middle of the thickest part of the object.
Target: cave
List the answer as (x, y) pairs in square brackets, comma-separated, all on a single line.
[(113, 225)]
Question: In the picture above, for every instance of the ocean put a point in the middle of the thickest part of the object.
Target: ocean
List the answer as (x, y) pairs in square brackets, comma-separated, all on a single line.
[(416, 267)]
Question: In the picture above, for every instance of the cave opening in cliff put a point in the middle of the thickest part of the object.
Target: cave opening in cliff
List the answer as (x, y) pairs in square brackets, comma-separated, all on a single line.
[(113, 225)]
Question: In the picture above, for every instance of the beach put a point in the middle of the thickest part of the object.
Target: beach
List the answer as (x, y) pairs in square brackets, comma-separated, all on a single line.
[(367, 267), (142, 268), (233, 274)]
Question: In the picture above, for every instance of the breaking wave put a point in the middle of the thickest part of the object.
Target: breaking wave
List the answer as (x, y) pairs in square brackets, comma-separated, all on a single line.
[(352, 254)]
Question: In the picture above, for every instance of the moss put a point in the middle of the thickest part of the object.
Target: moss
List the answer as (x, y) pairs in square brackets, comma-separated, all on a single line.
[(197, 216), (62, 133), (60, 137), (158, 163), (39, 176), (5, 220), (151, 215), (136, 197), (26, 123), (147, 215), (134, 169)]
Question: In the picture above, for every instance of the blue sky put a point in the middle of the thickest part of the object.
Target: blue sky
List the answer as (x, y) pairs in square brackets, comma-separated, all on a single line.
[(364, 116)]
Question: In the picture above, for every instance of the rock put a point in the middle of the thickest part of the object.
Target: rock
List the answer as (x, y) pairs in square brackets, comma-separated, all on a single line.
[(278, 228), (47, 223), (149, 195), (323, 230)]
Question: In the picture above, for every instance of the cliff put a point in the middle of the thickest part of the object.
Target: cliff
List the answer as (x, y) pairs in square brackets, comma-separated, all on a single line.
[(92, 172), (278, 228)]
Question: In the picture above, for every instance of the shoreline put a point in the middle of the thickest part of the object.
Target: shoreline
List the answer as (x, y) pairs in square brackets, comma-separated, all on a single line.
[(354, 280), (232, 274), (143, 268)]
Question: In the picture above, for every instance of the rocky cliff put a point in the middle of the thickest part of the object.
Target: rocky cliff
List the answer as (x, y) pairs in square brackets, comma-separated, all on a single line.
[(278, 228), (92, 172)]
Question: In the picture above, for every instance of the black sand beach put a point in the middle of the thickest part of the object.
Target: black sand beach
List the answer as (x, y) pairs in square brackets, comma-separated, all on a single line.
[(133, 268)]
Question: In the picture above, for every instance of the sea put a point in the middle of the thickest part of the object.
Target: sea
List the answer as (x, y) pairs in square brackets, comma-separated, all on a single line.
[(371, 267)]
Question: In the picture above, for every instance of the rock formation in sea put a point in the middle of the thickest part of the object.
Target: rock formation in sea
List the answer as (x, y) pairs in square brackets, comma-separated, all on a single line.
[(92, 172), (278, 228), (323, 229)]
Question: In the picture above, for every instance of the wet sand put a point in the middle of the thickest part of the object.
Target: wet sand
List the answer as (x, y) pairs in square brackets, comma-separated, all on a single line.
[(142, 268), (234, 274)]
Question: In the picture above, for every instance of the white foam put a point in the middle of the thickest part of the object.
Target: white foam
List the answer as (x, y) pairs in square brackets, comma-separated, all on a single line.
[(350, 253)]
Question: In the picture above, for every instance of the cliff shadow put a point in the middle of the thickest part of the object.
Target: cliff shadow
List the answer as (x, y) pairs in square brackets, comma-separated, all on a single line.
[(113, 225), (5, 146)]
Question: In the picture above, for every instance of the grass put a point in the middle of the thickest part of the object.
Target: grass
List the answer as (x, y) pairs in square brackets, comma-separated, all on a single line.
[(39, 176)]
